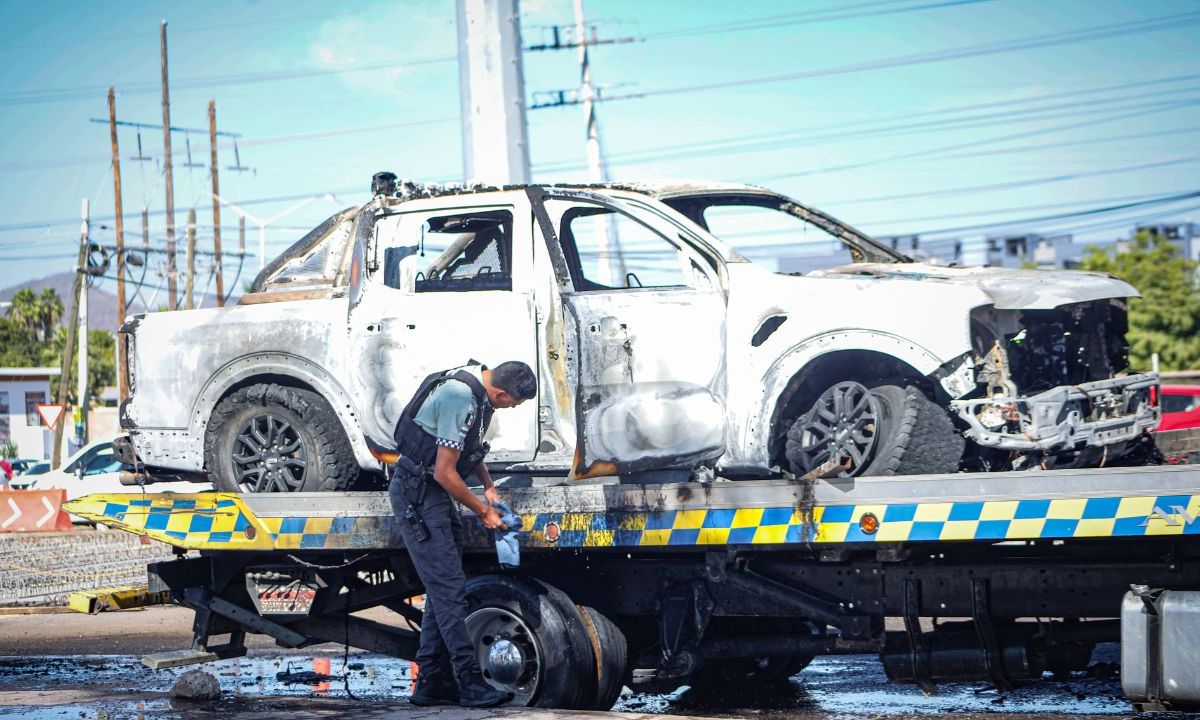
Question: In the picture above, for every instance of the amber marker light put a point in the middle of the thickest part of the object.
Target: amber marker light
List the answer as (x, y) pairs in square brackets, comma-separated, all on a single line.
[(868, 523)]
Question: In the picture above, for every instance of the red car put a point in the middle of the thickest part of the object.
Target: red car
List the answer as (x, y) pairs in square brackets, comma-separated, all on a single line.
[(1180, 407)]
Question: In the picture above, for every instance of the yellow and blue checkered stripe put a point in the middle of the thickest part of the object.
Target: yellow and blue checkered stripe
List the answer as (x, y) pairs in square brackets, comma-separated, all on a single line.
[(992, 520), (223, 521)]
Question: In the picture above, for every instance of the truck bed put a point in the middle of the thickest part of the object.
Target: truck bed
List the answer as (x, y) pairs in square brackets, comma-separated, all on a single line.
[(1040, 505)]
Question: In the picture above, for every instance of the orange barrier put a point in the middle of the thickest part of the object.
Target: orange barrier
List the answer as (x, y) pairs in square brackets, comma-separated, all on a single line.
[(33, 510)]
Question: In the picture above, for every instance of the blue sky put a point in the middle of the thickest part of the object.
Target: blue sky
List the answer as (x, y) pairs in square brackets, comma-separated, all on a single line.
[(325, 95)]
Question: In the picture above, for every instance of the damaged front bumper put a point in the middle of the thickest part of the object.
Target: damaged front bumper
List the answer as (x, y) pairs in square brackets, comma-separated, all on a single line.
[(1094, 414)]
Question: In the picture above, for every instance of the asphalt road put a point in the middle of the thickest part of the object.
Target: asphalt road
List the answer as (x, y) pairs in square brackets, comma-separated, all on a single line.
[(77, 666)]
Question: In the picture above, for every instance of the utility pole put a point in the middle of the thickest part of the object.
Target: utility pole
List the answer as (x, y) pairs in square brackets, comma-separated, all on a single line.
[(212, 142), (492, 85), (191, 259), (606, 225), (64, 379), (146, 231), (82, 371), (241, 235), (122, 376), (166, 108)]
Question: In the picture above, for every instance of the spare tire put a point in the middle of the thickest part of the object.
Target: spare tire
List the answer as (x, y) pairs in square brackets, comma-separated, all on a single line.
[(270, 438), (884, 430)]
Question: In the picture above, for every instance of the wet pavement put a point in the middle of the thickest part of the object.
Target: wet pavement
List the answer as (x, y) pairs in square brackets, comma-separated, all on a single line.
[(365, 685)]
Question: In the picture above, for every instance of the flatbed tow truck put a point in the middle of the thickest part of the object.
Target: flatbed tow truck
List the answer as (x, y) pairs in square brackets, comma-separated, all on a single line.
[(664, 584)]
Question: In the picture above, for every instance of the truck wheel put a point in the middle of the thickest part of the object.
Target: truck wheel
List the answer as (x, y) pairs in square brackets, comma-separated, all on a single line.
[(530, 640), (611, 652), (270, 438), (844, 422), (885, 430)]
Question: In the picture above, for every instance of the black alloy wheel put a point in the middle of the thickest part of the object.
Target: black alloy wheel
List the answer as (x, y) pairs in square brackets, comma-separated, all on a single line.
[(269, 455), (842, 424)]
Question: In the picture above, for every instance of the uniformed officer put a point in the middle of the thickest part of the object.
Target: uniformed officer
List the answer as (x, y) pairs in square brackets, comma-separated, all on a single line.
[(440, 441)]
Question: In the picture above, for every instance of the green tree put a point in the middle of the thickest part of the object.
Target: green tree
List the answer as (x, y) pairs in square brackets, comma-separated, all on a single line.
[(50, 312), (18, 345), (39, 314), (24, 309), (1166, 319), (102, 364)]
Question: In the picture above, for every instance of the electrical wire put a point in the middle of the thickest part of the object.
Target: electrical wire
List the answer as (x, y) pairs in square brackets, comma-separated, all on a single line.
[(1097, 32), (805, 18), (1008, 185)]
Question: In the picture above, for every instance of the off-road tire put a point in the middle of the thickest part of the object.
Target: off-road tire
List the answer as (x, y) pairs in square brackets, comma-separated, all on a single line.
[(918, 436), (331, 462), (914, 436)]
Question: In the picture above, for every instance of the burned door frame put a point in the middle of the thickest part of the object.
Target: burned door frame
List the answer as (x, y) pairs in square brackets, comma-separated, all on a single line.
[(623, 424), (393, 328)]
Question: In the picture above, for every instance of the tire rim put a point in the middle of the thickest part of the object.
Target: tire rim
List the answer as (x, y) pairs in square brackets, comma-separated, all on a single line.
[(843, 423), (507, 652), (269, 456)]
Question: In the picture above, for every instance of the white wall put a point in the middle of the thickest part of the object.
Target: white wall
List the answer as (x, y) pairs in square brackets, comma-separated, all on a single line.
[(33, 441)]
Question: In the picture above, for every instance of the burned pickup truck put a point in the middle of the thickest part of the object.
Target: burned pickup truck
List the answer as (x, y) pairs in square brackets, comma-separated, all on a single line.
[(662, 352)]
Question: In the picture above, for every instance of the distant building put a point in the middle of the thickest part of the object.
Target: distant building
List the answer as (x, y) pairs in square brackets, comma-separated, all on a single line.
[(21, 391), (1045, 252)]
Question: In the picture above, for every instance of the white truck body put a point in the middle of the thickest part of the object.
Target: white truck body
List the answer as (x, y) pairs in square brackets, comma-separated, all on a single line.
[(668, 350)]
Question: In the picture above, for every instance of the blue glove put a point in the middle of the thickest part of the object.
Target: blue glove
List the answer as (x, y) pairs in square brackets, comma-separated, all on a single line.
[(508, 550)]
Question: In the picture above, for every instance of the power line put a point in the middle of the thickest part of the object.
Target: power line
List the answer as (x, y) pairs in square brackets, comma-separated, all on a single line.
[(1001, 211), (976, 143), (20, 165), (828, 14), (31, 97), (875, 127), (1008, 185), (1124, 29)]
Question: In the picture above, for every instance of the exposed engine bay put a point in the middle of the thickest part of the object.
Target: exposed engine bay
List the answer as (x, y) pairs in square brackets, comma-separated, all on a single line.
[(1049, 382)]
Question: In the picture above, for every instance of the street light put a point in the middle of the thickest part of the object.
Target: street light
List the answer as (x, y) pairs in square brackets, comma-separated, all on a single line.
[(262, 224)]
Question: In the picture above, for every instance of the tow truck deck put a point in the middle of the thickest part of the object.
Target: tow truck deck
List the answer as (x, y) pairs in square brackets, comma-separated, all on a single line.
[(658, 584)]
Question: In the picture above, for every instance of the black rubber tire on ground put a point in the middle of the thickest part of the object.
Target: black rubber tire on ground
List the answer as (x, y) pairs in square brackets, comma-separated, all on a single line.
[(611, 653), (912, 435), (918, 436), (313, 427), (565, 662)]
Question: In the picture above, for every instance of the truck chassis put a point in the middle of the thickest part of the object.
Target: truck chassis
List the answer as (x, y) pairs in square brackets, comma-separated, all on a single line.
[(658, 585)]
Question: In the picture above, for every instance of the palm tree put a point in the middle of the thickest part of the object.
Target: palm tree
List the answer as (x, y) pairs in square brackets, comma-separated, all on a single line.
[(50, 311), (24, 309)]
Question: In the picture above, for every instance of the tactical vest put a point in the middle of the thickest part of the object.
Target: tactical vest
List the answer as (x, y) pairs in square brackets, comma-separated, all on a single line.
[(420, 447)]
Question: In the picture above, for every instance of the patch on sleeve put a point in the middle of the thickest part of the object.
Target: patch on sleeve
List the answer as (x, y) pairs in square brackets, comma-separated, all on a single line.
[(452, 444), (466, 426)]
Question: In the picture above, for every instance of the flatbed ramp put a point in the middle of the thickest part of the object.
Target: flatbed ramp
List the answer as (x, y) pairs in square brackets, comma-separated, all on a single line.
[(1055, 504)]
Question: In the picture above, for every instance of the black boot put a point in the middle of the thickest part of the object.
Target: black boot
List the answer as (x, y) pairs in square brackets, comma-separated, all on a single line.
[(435, 686), (474, 691)]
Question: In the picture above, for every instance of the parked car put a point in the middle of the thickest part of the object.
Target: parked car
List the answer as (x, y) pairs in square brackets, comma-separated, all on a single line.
[(93, 469), (39, 467), (1180, 406), (21, 465), (668, 351)]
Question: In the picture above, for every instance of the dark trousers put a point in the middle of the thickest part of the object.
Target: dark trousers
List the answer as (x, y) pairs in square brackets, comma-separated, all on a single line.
[(445, 643)]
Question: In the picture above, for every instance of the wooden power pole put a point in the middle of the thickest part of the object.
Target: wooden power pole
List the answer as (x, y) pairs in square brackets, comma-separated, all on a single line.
[(172, 273), (216, 192), (122, 375), (68, 360), (190, 286)]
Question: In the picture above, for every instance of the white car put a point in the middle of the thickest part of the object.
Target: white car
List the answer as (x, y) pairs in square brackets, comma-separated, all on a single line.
[(95, 469)]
